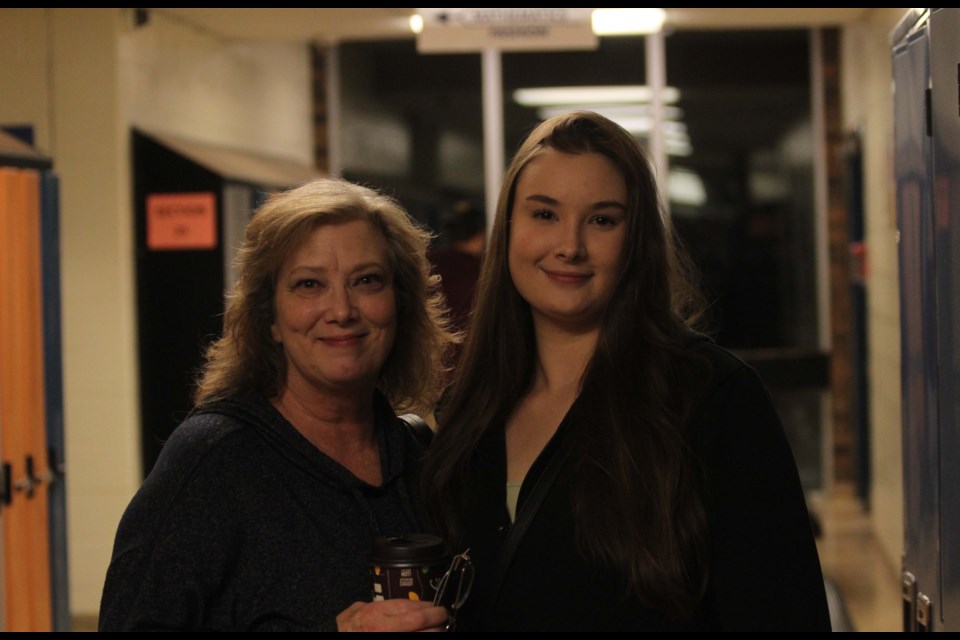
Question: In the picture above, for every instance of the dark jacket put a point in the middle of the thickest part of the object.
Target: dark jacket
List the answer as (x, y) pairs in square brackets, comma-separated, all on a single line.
[(765, 569), (244, 525)]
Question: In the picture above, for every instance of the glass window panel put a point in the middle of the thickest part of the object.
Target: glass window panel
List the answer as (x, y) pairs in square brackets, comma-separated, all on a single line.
[(412, 124), (745, 97)]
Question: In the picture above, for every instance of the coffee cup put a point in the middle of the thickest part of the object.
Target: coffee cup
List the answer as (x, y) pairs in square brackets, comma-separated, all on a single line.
[(408, 566)]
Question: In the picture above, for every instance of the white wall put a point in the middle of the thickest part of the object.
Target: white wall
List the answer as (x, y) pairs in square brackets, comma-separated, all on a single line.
[(24, 85), (868, 108), (83, 77), (100, 376), (250, 97)]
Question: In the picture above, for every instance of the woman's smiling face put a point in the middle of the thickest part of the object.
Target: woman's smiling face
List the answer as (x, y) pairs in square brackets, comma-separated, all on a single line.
[(567, 231), (335, 309)]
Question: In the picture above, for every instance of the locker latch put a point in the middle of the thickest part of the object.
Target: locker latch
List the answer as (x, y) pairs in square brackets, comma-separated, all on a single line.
[(908, 584), (6, 485), (924, 613)]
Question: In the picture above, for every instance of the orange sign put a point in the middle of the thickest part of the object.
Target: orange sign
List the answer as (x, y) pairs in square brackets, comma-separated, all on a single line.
[(181, 221)]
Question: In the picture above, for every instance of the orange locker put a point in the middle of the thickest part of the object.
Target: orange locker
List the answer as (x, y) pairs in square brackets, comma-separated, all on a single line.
[(26, 558)]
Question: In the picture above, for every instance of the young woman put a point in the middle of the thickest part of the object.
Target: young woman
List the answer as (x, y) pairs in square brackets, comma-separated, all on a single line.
[(608, 467)]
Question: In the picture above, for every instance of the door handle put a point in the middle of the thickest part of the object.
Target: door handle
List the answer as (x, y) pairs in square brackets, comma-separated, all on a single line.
[(6, 485), (28, 483)]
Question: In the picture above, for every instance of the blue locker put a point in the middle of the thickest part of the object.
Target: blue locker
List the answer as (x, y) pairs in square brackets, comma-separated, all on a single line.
[(926, 68), (945, 127)]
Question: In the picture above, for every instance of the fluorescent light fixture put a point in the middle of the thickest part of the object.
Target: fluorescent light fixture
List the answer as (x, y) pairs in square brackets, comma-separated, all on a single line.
[(622, 22), (676, 142), (614, 94), (416, 23), (645, 125), (636, 119), (678, 148), (614, 111), (686, 187)]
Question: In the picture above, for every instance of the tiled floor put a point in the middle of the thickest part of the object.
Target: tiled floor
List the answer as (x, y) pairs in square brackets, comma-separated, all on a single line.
[(865, 586)]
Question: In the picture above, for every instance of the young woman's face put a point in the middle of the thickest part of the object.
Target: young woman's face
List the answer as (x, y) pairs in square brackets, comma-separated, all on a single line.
[(335, 309), (567, 232)]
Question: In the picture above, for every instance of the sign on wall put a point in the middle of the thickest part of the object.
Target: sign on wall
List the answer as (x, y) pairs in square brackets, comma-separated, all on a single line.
[(181, 221), (535, 29)]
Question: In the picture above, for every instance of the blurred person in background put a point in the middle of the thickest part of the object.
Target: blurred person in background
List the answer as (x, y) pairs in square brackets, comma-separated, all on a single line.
[(458, 260)]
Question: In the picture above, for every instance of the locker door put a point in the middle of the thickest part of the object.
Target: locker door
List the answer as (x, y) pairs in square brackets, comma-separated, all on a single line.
[(945, 112), (26, 587), (918, 321)]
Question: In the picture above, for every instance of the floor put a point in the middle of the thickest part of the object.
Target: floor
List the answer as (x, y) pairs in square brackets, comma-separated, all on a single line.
[(863, 588)]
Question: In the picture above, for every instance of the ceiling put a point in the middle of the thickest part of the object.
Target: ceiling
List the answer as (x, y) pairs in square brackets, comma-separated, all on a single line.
[(333, 25)]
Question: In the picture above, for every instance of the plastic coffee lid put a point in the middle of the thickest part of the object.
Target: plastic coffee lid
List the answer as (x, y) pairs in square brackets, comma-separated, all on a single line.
[(408, 550)]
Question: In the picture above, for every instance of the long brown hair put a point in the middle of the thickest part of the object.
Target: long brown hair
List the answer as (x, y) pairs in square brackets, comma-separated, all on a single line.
[(246, 359), (636, 499)]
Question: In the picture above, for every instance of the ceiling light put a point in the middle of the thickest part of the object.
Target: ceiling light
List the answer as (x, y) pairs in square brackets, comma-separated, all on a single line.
[(613, 111), (686, 187), (416, 23), (546, 96), (678, 148), (635, 124), (621, 22), (637, 121)]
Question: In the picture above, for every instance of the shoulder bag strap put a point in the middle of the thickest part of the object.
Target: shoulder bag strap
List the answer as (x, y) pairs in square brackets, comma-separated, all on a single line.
[(528, 510), (419, 428)]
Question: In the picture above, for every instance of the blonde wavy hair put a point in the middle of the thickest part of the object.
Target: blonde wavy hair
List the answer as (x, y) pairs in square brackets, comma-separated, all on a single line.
[(246, 359)]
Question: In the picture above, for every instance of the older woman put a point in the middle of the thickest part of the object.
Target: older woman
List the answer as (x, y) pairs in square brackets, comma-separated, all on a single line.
[(261, 510), (608, 467)]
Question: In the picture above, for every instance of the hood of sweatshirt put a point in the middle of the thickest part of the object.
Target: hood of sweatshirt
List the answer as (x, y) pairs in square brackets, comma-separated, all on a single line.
[(392, 436)]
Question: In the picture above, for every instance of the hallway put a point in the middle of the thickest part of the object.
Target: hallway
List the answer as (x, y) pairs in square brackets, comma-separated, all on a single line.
[(865, 588), (236, 80)]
